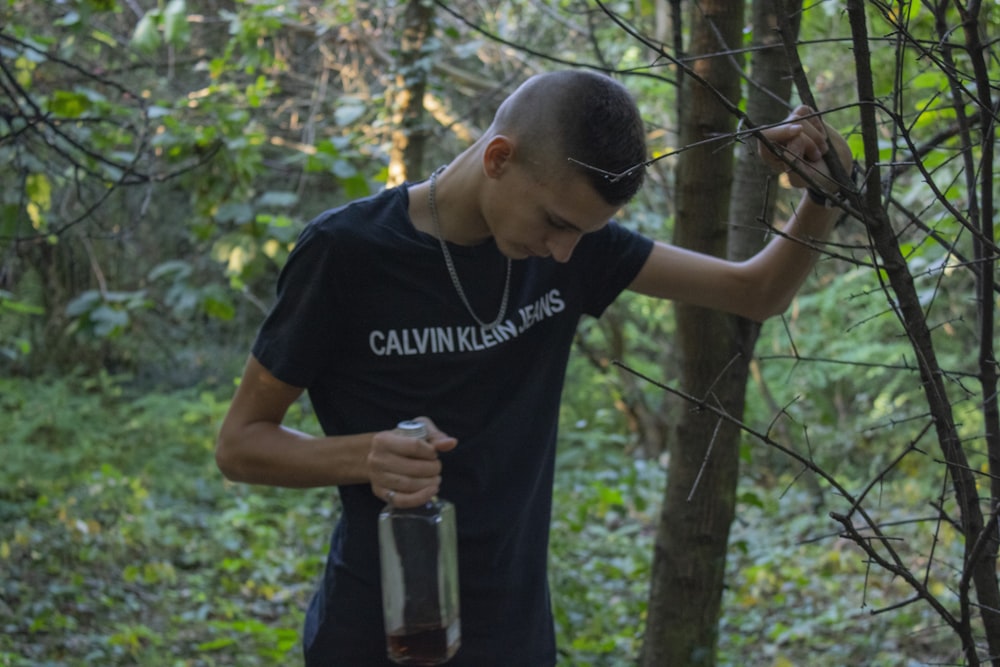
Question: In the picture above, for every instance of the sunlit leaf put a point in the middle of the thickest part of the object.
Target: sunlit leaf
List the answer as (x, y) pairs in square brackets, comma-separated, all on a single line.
[(38, 188), (146, 36), (68, 104), (176, 30)]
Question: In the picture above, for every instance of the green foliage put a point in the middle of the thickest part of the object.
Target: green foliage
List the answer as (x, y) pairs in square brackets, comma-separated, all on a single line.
[(798, 593), (604, 508), (197, 166), (853, 382), (121, 544), (104, 315)]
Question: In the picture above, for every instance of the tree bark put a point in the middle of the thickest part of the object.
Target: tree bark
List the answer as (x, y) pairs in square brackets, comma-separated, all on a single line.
[(753, 199), (755, 192), (690, 551), (409, 120)]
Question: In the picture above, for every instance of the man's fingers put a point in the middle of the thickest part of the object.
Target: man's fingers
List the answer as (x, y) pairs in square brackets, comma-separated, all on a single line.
[(385, 465), (406, 483), (406, 446), (444, 443), (404, 500), (805, 147), (403, 490), (438, 439), (407, 468)]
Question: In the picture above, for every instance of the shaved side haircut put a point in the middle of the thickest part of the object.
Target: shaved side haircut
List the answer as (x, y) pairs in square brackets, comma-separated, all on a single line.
[(578, 122)]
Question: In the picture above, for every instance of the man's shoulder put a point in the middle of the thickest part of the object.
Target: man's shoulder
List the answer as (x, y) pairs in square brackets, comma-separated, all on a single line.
[(362, 216), (614, 239)]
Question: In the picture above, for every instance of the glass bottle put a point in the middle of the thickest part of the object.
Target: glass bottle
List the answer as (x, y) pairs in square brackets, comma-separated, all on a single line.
[(418, 553)]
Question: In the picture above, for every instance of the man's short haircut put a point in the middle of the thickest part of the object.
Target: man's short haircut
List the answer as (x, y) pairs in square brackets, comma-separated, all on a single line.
[(582, 120)]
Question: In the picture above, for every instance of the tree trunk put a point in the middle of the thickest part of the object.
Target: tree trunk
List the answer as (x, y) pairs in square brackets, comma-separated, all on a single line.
[(753, 198), (755, 190), (690, 552), (409, 135)]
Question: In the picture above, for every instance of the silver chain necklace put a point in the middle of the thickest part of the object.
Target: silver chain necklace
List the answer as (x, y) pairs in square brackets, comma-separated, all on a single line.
[(432, 200)]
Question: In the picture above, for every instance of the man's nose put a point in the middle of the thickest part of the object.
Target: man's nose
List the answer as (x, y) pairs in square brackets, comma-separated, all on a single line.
[(562, 244)]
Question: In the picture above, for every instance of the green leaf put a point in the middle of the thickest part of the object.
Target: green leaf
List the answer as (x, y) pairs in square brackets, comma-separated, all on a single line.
[(356, 186), (176, 30), (278, 199), (750, 498), (348, 111), (219, 308), (176, 268), (146, 37), (84, 303), (108, 321), (69, 19), (157, 111), (104, 38), (344, 170), (38, 187), (22, 308), (68, 104), (216, 644), (238, 212)]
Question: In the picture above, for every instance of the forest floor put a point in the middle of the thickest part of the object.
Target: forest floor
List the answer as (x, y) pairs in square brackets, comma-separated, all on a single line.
[(121, 544)]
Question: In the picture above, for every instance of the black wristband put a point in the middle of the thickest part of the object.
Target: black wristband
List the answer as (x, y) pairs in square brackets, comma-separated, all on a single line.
[(819, 197)]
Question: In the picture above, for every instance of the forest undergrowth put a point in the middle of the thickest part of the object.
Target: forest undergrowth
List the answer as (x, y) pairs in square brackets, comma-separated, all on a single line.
[(121, 544)]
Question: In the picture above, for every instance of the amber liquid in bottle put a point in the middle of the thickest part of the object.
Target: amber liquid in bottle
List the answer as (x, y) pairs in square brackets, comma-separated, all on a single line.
[(421, 646)]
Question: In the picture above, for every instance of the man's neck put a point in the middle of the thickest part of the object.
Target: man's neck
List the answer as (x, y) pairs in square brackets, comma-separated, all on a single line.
[(455, 197)]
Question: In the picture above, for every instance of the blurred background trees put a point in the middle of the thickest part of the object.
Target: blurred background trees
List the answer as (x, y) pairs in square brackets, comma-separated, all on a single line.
[(158, 159)]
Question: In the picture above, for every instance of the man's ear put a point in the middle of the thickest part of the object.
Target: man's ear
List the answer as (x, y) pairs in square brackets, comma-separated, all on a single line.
[(497, 156)]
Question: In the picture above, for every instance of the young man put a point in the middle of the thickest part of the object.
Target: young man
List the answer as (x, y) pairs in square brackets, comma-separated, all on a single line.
[(457, 299)]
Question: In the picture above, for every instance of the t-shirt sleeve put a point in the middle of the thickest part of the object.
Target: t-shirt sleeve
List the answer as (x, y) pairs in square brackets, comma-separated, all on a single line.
[(612, 259), (298, 334)]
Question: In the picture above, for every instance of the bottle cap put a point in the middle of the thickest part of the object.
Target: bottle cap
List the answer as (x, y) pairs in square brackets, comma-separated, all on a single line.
[(412, 429)]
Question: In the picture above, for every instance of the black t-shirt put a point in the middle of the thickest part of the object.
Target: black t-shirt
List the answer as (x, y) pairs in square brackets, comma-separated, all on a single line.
[(368, 320)]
